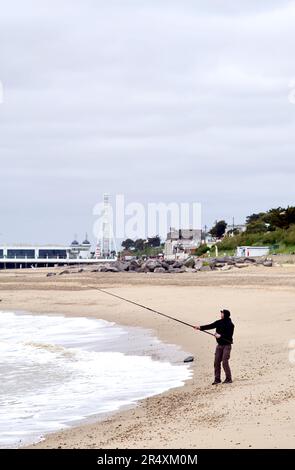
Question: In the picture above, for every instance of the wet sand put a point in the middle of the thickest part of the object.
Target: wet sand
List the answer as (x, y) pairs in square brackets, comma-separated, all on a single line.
[(256, 411)]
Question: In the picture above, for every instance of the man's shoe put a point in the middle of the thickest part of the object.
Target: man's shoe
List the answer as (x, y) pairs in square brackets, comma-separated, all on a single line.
[(228, 381), (216, 382)]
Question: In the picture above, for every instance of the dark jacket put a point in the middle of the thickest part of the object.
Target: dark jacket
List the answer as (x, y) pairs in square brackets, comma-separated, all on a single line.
[(224, 327)]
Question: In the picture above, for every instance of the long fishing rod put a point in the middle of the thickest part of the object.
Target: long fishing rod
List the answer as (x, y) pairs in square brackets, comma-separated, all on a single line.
[(152, 310)]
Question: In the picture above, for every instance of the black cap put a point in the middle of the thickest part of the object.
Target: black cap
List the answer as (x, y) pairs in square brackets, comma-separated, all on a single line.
[(226, 313)]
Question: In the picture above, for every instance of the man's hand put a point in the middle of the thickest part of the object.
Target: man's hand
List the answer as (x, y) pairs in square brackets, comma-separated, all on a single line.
[(197, 327), (217, 335)]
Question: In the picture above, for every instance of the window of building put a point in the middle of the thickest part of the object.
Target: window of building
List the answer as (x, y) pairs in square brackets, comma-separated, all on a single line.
[(48, 253), (20, 253)]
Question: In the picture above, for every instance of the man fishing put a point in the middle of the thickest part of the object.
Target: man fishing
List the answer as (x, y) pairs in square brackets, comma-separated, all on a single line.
[(224, 337)]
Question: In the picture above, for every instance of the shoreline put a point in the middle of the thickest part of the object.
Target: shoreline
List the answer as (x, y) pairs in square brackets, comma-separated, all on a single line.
[(255, 411), (138, 342)]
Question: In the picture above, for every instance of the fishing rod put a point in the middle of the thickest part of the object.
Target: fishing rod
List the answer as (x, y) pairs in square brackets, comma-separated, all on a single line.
[(153, 310)]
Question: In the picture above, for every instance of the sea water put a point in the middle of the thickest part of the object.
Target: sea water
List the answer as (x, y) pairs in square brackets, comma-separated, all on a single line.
[(56, 370)]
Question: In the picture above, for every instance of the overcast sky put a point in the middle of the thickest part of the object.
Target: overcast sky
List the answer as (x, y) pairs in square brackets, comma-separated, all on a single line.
[(160, 100)]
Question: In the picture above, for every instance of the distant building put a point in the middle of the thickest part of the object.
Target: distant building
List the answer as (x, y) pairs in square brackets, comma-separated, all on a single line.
[(22, 256), (252, 251), (182, 241), (46, 252)]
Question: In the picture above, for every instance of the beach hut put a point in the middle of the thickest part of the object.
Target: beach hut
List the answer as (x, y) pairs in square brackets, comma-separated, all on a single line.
[(252, 251)]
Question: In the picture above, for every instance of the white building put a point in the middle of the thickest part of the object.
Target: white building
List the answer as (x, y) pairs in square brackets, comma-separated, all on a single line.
[(252, 251), (182, 241), (45, 253)]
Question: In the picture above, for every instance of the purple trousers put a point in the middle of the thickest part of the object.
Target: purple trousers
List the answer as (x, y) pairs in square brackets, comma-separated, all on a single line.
[(222, 355)]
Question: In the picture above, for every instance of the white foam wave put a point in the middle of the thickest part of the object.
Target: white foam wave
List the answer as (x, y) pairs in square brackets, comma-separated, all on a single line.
[(55, 369)]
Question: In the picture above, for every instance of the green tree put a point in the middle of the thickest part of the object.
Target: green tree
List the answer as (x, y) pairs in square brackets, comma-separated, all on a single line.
[(139, 244), (201, 250), (257, 226), (218, 230), (154, 242), (127, 244), (254, 218)]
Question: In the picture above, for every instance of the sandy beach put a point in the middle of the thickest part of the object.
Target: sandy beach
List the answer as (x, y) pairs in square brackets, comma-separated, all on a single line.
[(256, 411)]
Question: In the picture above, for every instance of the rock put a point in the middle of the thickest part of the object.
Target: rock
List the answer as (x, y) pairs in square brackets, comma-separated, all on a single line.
[(176, 270), (230, 260), (170, 262), (102, 269), (142, 269), (152, 264), (198, 264), (50, 274), (159, 270), (177, 264), (226, 267), (81, 270), (212, 262), (249, 260), (223, 259), (182, 269), (190, 263), (190, 270), (267, 263), (241, 265), (219, 265), (133, 265), (121, 266), (112, 269), (165, 265), (66, 271), (206, 268)]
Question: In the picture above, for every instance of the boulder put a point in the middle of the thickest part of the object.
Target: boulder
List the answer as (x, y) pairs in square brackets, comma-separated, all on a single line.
[(226, 267), (241, 265), (159, 270), (152, 264), (190, 270), (177, 264), (102, 269), (142, 269), (230, 261), (223, 259), (66, 271), (267, 263), (219, 265), (165, 265), (121, 266), (177, 270), (212, 262), (133, 265), (198, 264), (206, 268), (170, 262), (112, 269), (50, 274), (190, 262)]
